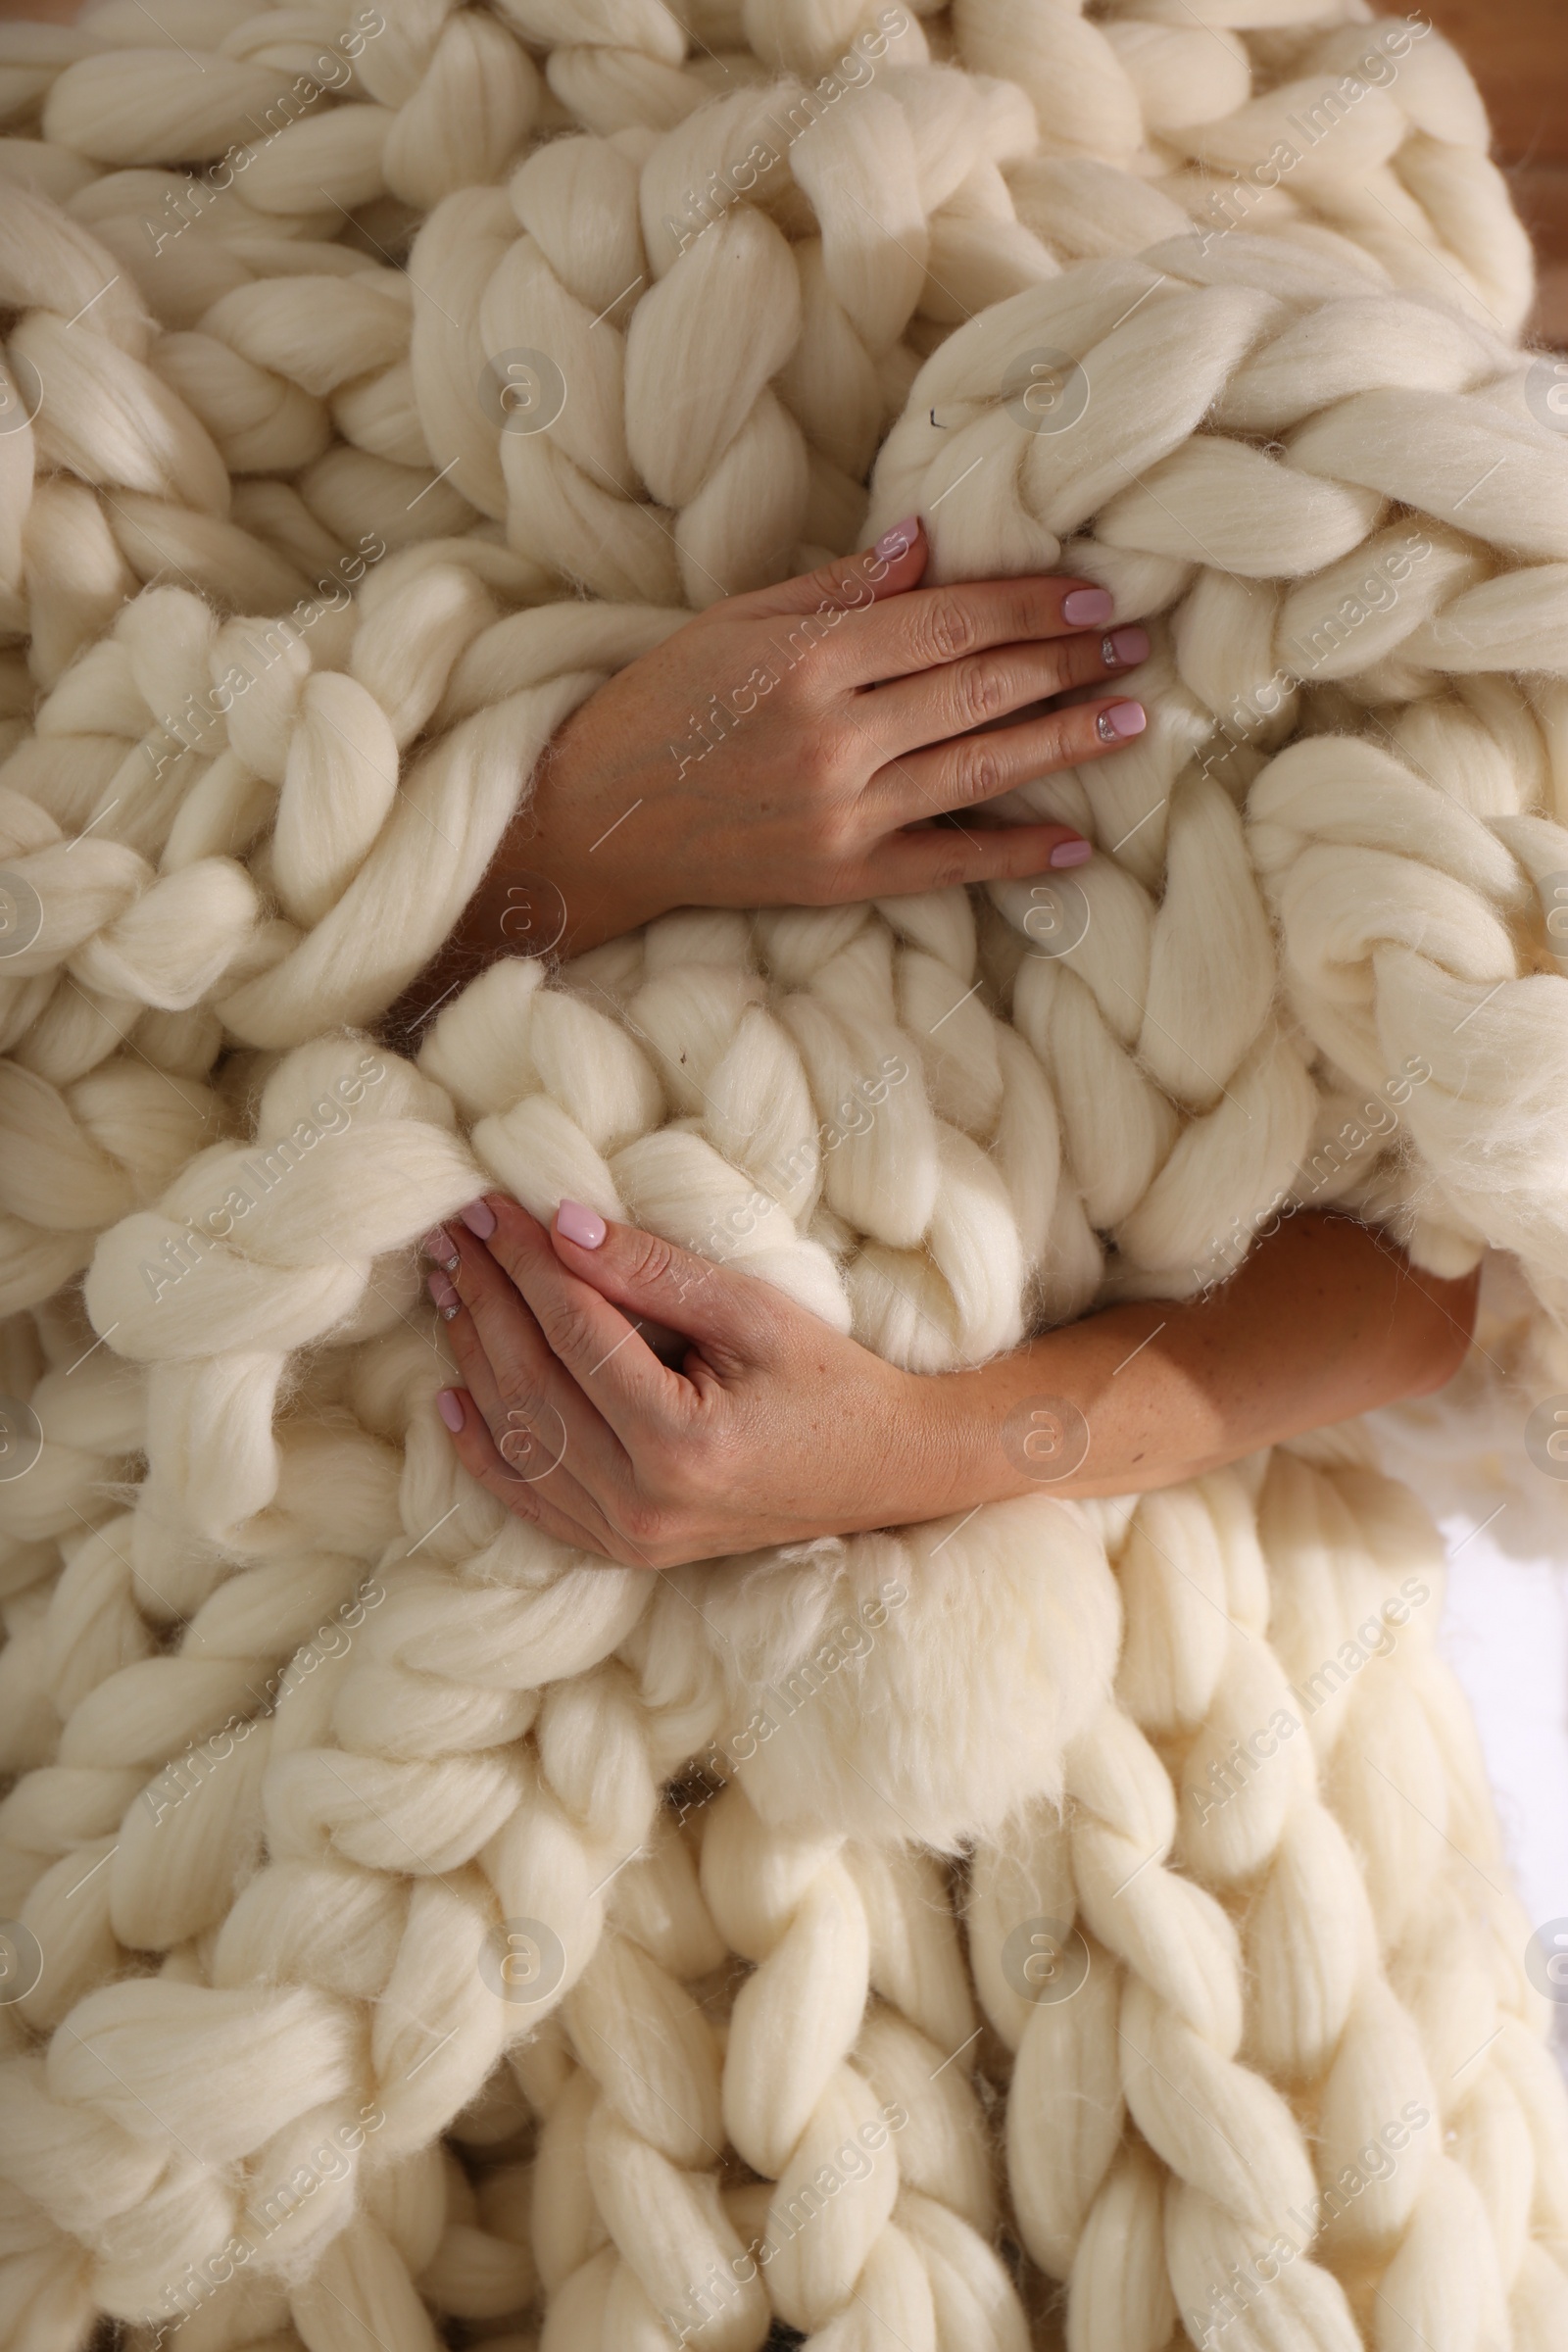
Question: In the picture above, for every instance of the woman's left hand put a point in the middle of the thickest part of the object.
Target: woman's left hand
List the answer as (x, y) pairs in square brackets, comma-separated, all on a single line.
[(774, 1427)]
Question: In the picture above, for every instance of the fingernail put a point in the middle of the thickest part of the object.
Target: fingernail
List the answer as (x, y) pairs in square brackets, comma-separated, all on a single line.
[(1087, 605), (480, 1218), (449, 1404), (441, 1290), (1072, 853), (1124, 649), (892, 543), (580, 1224), (1121, 720), (439, 1244)]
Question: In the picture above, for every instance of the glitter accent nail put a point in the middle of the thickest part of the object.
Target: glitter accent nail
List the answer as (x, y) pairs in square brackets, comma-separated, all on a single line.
[(1124, 649)]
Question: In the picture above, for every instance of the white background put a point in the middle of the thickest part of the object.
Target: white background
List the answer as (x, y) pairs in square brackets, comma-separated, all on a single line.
[(1505, 1634)]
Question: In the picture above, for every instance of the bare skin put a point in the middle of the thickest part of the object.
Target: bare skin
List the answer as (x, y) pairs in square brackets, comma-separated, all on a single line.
[(832, 739), (573, 1420)]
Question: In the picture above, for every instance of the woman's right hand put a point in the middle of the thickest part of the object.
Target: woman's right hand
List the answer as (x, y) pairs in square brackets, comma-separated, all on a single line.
[(793, 746)]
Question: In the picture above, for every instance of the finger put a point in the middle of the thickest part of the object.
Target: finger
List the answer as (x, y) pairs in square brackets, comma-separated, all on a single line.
[(535, 1408), (972, 768), (604, 1350), (733, 1318), (529, 1439), (475, 1449), (523, 1444), (888, 568), (906, 714), (939, 857), (902, 635)]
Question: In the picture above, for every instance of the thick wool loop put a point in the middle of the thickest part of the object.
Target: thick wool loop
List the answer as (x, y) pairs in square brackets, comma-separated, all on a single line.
[(904, 1935)]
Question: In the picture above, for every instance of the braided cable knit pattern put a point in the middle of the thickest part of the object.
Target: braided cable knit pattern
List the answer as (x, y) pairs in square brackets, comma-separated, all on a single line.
[(439, 1928), (381, 116)]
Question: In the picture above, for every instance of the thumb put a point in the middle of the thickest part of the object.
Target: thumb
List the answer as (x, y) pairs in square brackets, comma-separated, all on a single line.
[(894, 563), (727, 1313)]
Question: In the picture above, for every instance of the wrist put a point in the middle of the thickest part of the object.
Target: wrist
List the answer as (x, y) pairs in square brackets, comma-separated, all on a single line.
[(576, 842), (537, 900), (1004, 1429), (947, 1452), (588, 904)]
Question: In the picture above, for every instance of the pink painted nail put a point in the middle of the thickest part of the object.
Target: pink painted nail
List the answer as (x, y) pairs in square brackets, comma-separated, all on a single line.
[(1072, 853), (892, 543), (1087, 607), (480, 1218), (1120, 721), (439, 1244), (580, 1224), (449, 1404), (1124, 649), (442, 1292)]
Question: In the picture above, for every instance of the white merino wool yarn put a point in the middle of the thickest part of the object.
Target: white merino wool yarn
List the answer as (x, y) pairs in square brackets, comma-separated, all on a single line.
[(1082, 1924)]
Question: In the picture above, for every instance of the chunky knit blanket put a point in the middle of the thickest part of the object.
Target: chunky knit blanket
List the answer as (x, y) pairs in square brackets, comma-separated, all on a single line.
[(1074, 1925)]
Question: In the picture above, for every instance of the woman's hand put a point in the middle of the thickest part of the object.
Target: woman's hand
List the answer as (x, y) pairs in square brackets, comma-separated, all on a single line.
[(775, 1428), (777, 749)]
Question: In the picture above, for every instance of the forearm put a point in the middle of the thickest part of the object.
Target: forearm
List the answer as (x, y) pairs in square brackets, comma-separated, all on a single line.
[(1325, 1320)]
